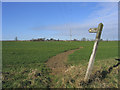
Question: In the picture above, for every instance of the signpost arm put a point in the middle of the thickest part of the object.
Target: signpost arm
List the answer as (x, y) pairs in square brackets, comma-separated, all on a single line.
[(92, 58)]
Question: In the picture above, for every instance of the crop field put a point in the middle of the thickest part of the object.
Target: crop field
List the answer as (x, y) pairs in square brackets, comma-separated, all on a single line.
[(24, 63), (30, 52)]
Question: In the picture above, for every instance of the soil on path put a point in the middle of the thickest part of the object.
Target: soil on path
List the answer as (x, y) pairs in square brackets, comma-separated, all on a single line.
[(58, 63)]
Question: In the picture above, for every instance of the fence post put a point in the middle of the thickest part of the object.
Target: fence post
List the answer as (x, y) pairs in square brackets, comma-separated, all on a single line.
[(92, 58)]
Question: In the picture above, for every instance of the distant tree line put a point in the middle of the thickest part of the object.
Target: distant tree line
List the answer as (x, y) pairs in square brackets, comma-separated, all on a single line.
[(43, 39), (52, 39)]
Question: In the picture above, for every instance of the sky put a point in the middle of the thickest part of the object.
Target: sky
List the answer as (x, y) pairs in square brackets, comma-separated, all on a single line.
[(28, 20)]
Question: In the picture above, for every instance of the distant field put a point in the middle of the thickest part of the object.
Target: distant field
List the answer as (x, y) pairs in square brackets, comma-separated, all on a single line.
[(24, 62), (33, 52), (106, 50)]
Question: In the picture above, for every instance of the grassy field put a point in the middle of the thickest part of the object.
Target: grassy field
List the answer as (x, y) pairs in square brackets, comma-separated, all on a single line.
[(30, 52), (24, 62), (106, 50), (105, 70), (23, 58)]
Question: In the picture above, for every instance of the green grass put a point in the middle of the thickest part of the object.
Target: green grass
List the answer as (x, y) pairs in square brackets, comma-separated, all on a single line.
[(75, 76), (106, 50), (33, 52), (27, 56), (28, 76), (24, 62)]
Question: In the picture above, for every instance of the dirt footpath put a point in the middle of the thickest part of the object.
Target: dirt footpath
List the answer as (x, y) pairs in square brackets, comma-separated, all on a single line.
[(58, 63)]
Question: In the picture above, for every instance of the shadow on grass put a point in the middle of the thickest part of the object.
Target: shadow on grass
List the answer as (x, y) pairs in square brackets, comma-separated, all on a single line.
[(100, 74)]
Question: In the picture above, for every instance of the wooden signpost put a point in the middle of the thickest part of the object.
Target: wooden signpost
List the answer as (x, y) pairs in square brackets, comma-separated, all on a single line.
[(92, 58)]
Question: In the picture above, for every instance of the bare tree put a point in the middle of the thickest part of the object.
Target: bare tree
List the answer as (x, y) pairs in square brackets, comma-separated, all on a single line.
[(83, 39)]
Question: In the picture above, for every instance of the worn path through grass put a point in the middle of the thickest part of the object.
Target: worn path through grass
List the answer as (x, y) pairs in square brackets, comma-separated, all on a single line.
[(58, 63)]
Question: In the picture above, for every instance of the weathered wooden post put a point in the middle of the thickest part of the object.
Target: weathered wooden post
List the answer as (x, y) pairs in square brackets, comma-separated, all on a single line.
[(92, 58)]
